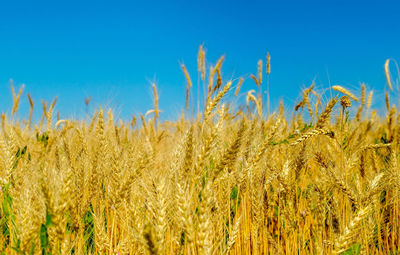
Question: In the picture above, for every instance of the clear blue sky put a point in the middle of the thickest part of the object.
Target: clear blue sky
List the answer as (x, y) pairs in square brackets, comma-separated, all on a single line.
[(112, 50)]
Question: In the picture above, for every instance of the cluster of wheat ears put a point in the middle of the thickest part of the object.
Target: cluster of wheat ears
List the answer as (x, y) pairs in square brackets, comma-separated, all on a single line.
[(228, 180)]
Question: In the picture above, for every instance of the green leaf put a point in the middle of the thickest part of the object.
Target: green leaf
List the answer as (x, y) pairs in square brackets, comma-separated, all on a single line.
[(234, 192), (88, 233), (355, 249), (24, 150)]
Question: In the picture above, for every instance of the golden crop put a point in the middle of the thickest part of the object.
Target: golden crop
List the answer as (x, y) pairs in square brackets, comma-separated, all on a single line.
[(231, 180)]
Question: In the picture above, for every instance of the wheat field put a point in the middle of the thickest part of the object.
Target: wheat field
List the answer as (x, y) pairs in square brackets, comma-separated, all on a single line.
[(319, 178)]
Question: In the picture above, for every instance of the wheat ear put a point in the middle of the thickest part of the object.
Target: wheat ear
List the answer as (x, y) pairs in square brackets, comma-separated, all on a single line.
[(344, 91)]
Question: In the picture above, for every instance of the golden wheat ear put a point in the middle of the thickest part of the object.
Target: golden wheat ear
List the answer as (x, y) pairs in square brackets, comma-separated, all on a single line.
[(31, 104), (189, 84), (260, 65), (325, 115), (345, 91), (387, 74), (369, 100), (239, 85), (363, 95), (211, 106), (16, 98)]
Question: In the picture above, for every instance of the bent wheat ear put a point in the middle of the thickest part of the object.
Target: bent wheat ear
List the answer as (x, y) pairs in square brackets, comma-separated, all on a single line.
[(313, 133), (255, 79), (344, 91), (210, 107), (387, 74), (239, 85), (218, 65), (187, 76)]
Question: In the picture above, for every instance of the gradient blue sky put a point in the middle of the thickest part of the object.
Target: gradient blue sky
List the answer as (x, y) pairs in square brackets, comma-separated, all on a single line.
[(112, 50)]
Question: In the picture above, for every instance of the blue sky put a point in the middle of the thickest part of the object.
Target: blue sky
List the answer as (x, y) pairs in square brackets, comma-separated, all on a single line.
[(112, 51)]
